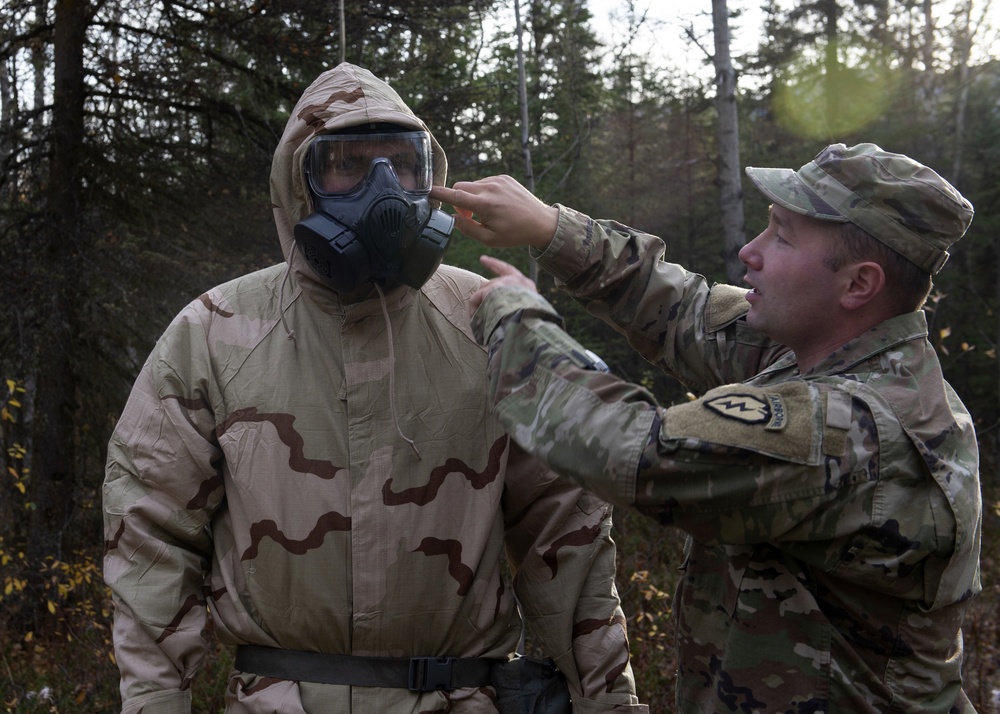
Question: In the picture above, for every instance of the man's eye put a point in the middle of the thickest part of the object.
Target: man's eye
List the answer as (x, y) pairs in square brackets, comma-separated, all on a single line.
[(348, 163), (404, 162)]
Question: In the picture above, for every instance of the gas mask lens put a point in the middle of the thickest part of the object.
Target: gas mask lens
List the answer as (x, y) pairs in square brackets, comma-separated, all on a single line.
[(337, 163)]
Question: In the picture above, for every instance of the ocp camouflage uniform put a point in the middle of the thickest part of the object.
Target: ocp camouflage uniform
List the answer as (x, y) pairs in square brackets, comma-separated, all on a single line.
[(265, 480), (834, 516)]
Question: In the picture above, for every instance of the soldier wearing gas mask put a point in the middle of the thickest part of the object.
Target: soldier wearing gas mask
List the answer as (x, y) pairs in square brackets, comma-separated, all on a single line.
[(309, 456)]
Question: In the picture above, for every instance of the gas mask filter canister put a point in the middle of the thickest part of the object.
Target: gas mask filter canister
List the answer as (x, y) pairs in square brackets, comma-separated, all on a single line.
[(372, 219)]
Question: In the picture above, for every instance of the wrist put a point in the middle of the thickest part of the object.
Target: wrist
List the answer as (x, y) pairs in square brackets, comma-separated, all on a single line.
[(548, 223)]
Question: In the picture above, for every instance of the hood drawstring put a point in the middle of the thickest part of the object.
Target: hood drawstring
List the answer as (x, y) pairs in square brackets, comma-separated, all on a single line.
[(281, 306), (392, 373), (392, 354)]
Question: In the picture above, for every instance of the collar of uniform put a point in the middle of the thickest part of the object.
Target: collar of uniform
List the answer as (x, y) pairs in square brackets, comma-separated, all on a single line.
[(885, 336), (330, 302), (395, 300)]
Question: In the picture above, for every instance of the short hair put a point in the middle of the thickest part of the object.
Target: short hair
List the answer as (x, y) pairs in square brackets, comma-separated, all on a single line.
[(907, 284)]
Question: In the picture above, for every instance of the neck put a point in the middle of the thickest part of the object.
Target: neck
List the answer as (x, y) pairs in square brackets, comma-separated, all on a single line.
[(809, 355)]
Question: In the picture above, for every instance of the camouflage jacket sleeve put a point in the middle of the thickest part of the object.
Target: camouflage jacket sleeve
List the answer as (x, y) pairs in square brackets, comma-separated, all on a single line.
[(686, 465), (157, 510), (525, 341), (670, 315), (559, 541)]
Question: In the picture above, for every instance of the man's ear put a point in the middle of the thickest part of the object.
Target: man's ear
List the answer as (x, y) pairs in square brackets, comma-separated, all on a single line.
[(867, 281)]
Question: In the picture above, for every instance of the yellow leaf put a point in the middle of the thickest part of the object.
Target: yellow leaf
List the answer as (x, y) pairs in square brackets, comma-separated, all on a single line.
[(29, 637), (945, 332), (20, 487), (52, 607)]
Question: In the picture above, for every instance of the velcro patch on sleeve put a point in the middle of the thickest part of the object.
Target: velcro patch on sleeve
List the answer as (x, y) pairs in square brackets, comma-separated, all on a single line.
[(838, 422), (725, 304), (778, 421)]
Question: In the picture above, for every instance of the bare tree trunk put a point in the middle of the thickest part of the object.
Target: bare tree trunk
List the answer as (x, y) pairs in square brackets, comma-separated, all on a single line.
[(52, 430), (730, 186), (831, 59), (7, 99), (39, 61), (928, 76), (522, 91), (630, 209), (964, 49), (343, 33), (39, 68)]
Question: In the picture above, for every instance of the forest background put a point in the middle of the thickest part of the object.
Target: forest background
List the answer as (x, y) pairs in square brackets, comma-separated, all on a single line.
[(135, 145)]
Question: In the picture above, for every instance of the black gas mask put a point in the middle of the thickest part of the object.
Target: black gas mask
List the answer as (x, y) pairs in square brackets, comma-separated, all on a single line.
[(372, 220)]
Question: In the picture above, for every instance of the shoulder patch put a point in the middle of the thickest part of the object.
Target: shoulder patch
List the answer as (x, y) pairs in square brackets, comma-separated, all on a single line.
[(766, 409), (784, 421)]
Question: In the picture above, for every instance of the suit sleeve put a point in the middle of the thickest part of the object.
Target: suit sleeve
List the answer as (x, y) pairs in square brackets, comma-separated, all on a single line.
[(559, 541), (160, 489)]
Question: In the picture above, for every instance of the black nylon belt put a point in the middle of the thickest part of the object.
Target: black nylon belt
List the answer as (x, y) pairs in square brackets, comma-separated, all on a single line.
[(418, 674)]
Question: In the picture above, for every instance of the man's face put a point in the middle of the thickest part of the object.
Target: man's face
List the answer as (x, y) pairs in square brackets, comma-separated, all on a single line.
[(793, 295), (339, 163)]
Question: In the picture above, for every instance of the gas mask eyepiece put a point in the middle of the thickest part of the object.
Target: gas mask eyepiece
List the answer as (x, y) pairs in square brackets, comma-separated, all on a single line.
[(372, 220)]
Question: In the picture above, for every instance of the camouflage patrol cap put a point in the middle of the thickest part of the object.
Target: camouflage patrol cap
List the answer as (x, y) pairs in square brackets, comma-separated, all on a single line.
[(897, 200)]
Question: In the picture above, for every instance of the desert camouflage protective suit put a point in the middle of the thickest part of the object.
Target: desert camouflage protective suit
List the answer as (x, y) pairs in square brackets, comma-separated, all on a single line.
[(264, 479), (833, 517)]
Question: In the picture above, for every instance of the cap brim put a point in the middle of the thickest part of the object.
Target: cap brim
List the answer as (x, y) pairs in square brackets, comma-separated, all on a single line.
[(784, 187)]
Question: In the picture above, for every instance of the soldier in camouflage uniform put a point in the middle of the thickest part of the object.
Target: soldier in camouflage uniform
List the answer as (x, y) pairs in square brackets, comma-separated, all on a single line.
[(324, 475), (827, 474)]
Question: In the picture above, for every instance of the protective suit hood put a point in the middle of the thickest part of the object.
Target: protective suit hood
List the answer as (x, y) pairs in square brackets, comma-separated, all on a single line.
[(340, 98)]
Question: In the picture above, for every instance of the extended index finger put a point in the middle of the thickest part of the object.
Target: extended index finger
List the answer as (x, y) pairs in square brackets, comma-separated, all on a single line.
[(456, 197)]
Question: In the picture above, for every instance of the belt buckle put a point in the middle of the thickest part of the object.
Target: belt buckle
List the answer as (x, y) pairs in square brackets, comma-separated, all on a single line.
[(428, 674)]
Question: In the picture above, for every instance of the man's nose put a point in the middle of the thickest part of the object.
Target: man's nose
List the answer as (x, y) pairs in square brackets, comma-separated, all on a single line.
[(748, 254)]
